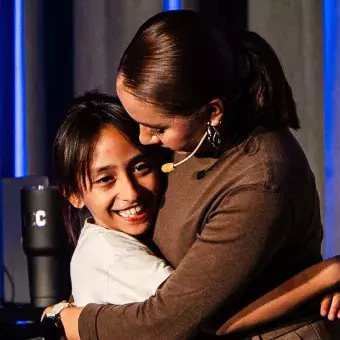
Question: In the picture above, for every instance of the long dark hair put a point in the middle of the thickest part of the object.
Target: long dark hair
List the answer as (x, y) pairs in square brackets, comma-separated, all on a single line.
[(179, 61), (75, 143)]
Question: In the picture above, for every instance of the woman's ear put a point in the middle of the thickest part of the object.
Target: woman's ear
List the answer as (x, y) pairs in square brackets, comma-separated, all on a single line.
[(216, 111), (76, 201)]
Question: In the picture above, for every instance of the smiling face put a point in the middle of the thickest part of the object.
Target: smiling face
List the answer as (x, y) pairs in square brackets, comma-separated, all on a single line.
[(177, 133), (124, 188)]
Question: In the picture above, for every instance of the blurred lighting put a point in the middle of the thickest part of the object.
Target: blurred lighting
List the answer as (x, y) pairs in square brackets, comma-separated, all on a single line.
[(330, 31), (23, 322), (20, 161), (169, 5)]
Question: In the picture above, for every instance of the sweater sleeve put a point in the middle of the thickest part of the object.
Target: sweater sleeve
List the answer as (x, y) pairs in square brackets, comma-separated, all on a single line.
[(242, 232)]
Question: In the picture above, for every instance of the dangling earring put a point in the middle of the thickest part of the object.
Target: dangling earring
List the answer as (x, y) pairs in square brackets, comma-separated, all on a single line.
[(214, 137)]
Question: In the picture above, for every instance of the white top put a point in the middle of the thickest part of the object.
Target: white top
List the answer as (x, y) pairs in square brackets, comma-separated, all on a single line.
[(109, 266)]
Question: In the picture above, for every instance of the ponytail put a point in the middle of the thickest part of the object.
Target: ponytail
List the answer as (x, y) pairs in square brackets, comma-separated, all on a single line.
[(178, 62), (262, 95)]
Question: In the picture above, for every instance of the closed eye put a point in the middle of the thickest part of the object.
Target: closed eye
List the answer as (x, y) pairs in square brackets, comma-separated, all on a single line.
[(154, 132)]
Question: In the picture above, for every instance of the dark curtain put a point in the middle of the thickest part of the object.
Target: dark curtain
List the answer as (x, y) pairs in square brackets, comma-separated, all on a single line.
[(81, 42)]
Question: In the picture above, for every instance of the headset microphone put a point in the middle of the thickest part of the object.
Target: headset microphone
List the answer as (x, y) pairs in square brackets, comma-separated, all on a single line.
[(168, 167)]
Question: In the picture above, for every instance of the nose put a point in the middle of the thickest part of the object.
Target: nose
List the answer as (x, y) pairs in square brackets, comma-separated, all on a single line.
[(126, 189), (146, 138)]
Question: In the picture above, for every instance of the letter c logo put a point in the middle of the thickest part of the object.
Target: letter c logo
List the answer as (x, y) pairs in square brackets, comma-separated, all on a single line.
[(40, 218)]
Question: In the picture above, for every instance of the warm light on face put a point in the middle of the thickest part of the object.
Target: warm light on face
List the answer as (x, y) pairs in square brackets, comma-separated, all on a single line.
[(181, 134), (125, 186)]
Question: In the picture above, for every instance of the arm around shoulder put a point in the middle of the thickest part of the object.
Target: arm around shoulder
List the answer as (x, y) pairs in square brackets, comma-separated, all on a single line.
[(244, 219)]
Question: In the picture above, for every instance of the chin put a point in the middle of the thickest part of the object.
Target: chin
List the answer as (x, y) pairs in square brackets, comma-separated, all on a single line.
[(135, 231), (186, 149)]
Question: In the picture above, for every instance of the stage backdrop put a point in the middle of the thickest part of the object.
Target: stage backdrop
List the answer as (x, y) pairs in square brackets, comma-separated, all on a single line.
[(294, 28), (75, 46)]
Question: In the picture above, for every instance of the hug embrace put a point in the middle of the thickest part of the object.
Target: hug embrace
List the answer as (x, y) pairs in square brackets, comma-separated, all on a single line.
[(227, 243)]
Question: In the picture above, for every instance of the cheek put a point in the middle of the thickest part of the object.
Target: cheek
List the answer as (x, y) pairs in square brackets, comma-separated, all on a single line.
[(95, 201), (151, 183), (175, 139), (90, 204), (186, 131)]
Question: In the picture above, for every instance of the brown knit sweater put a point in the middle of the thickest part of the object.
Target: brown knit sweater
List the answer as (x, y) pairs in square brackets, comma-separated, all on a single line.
[(249, 224)]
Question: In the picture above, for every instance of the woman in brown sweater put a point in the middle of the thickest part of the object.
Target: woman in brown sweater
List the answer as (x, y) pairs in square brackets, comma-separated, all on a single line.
[(241, 214)]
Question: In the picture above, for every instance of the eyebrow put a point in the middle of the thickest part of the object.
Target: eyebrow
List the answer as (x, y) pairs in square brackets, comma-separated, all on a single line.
[(101, 169), (152, 126)]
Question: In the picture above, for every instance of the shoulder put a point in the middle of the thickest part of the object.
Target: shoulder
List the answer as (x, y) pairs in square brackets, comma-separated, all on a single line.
[(286, 164), (273, 159), (280, 146), (103, 245)]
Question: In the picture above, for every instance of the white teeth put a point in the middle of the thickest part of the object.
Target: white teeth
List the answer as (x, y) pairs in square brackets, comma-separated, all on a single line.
[(130, 212)]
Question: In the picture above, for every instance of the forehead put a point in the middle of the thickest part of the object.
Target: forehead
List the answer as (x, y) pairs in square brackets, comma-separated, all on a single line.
[(113, 148), (143, 113)]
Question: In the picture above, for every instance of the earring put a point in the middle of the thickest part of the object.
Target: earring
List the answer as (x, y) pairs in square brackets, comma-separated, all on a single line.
[(214, 137)]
